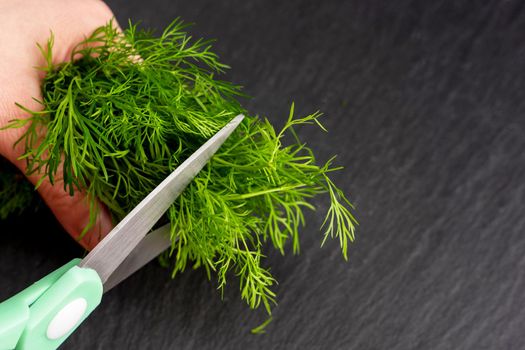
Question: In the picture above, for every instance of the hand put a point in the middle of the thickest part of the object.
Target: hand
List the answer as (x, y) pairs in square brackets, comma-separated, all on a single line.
[(23, 24)]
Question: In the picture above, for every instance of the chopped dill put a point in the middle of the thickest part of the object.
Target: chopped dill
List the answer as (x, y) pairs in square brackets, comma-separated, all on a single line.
[(130, 107)]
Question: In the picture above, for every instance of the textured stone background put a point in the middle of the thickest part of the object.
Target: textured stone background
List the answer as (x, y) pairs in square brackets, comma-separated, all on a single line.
[(424, 103)]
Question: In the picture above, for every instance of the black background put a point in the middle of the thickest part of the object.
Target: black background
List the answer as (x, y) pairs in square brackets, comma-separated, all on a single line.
[(424, 106)]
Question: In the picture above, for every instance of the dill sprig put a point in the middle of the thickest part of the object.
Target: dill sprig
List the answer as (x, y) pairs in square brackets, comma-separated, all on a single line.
[(130, 107), (16, 193)]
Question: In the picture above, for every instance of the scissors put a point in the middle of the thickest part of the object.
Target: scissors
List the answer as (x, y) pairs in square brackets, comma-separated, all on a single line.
[(43, 315)]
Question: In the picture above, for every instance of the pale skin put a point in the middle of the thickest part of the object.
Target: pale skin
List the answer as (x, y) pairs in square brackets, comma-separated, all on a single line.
[(23, 24)]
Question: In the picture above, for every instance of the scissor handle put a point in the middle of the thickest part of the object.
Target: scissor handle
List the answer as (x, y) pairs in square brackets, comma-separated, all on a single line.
[(45, 314)]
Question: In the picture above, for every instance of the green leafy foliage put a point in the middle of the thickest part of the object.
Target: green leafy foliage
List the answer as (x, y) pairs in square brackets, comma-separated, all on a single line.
[(130, 107), (16, 193)]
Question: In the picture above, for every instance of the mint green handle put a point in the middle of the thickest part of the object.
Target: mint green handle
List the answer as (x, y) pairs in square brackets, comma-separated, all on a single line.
[(14, 312), (27, 319), (14, 317)]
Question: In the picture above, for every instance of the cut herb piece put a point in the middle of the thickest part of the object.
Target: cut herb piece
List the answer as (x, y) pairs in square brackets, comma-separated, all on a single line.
[(131, 107)]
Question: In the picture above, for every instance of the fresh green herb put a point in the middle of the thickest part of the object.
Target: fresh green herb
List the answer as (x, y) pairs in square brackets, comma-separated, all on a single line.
[(130, 107), (16, 193)]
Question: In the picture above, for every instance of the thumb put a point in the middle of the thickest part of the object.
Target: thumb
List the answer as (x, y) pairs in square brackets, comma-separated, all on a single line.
[(73, 212)]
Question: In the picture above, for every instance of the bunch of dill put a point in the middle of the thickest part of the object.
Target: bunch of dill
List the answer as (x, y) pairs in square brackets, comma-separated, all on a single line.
[(130, 107)]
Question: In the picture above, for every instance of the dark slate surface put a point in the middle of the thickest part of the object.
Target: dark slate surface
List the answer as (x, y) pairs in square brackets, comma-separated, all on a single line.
[(424, 103)]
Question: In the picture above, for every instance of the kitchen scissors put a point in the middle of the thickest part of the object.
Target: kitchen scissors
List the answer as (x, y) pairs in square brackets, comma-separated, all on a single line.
[(43, 315)]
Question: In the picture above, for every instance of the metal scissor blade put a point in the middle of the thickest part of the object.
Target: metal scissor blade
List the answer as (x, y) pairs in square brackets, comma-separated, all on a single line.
[(148, 249), (120, 242)]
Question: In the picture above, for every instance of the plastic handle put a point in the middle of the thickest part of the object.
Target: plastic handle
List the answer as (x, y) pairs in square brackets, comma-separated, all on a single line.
[(45, 314), (14, 312)]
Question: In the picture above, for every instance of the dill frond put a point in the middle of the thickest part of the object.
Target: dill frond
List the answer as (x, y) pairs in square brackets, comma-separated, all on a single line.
[(16, 193)]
